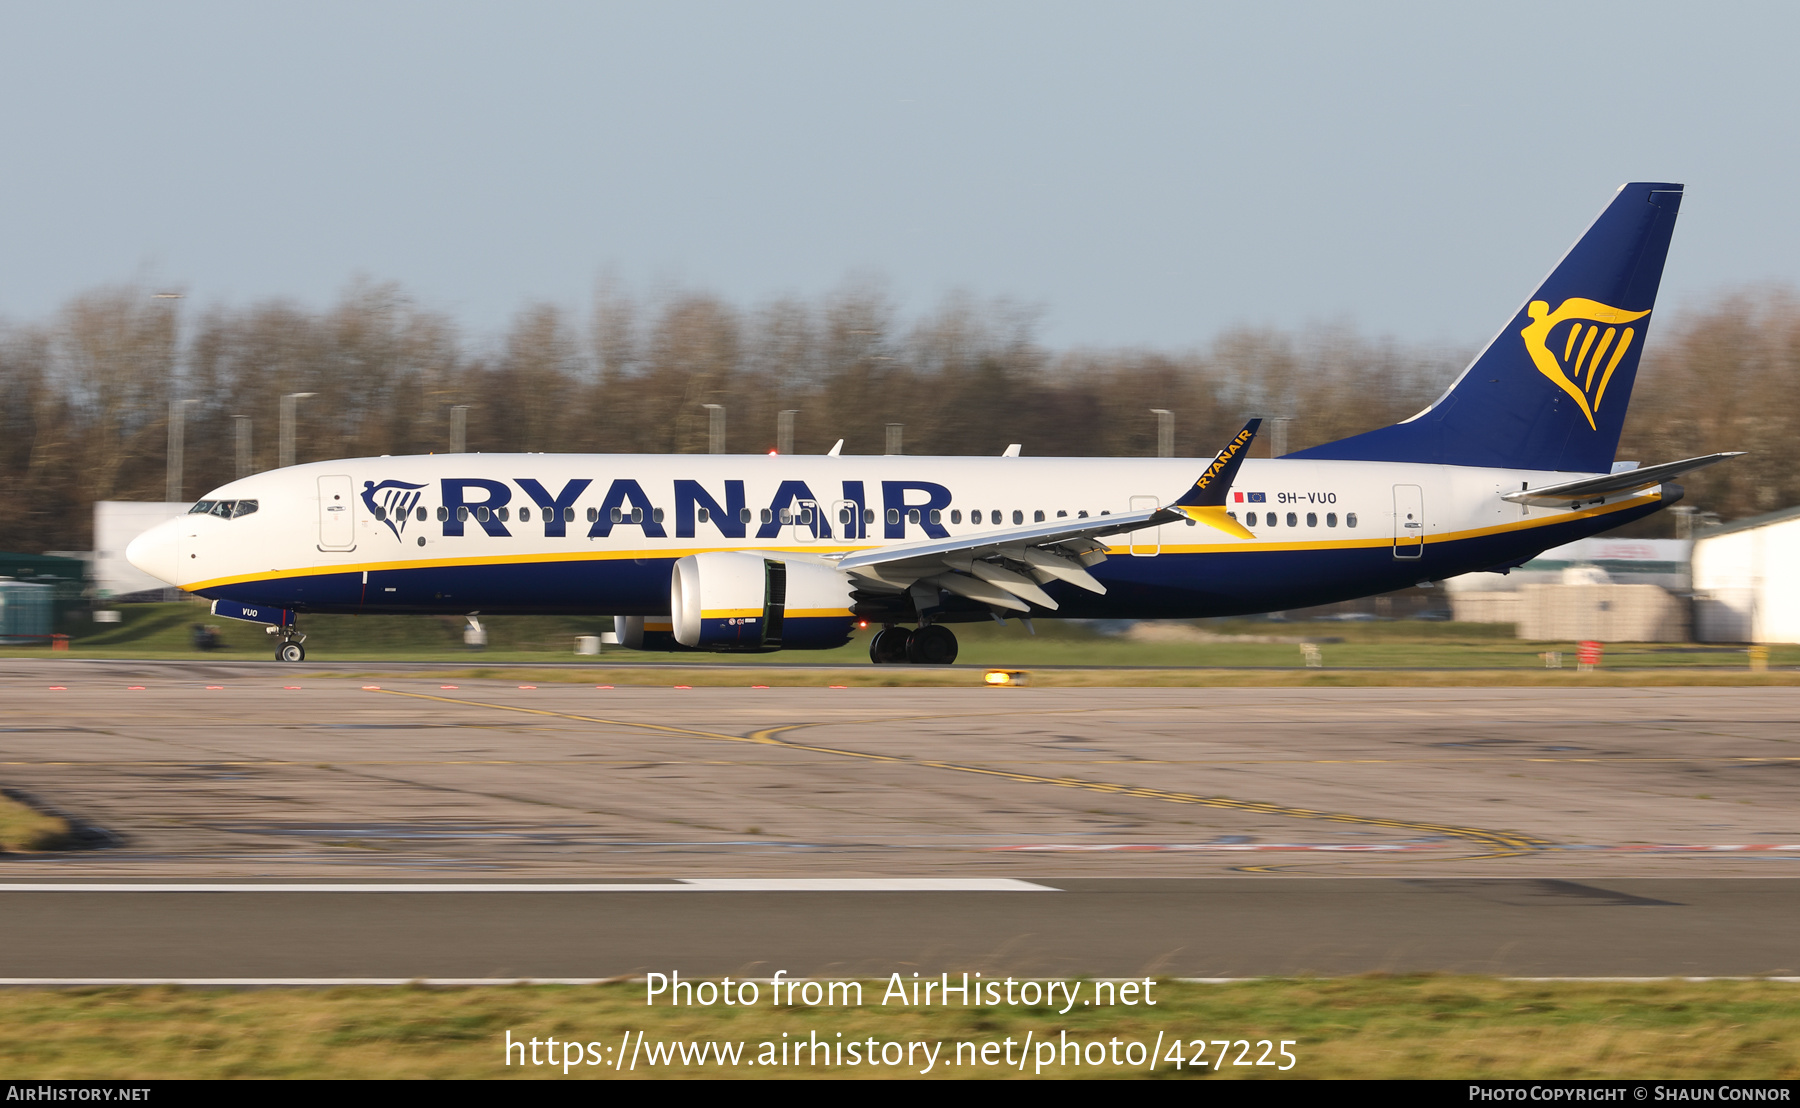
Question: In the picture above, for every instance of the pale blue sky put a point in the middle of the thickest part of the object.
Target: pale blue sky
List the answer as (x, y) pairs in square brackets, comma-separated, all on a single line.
[(1145, 173)]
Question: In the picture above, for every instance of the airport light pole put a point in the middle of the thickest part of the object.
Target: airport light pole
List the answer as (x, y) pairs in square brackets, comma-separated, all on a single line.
[(459, 428), (1165, 432), (784, 431), (1278, 429), (241, 427), (177, 445), (715, 428), (289, 403)]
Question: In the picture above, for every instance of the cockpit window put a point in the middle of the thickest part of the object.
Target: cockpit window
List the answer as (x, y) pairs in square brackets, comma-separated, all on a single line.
[(224, 509)]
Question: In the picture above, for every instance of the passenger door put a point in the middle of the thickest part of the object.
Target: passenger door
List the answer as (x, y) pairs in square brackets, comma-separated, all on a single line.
[(1409, 521), (337, 513)]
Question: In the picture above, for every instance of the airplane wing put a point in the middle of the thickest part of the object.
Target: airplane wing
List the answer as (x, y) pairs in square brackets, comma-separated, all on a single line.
[(1568, 493), (1007, 569)]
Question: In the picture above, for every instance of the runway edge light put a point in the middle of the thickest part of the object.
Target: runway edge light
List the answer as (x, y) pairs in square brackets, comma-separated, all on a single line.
[(1007, 677)]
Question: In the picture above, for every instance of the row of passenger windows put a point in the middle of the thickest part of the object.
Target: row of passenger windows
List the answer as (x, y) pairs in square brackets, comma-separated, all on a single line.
[(1273, 519), (224, 509), (636, 515), (230, 509)]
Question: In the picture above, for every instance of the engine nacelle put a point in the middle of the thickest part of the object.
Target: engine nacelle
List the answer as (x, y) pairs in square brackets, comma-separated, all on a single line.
[(732, 601), (646, 633)]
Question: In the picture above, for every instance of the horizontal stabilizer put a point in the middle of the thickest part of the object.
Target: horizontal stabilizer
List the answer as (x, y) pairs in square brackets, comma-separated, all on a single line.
[(1595, 488)]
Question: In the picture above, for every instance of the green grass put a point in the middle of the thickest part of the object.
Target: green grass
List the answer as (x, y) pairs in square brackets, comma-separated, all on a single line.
[(1363, 1027), (163, 631)]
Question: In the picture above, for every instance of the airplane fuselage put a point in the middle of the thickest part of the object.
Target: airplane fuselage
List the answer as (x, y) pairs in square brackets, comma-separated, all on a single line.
[(599, 533)]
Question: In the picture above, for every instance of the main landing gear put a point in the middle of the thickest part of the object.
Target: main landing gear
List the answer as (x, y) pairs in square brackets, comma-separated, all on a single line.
[(930, 645)]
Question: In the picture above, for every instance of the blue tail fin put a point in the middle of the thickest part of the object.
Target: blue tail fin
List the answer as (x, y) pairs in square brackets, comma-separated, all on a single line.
[(1549, 392)]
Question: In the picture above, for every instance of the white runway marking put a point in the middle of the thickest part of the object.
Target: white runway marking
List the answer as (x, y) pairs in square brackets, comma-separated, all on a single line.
[(680, 885)]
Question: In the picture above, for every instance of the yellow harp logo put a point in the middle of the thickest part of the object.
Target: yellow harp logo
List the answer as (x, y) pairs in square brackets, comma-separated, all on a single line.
[(1593, 333)]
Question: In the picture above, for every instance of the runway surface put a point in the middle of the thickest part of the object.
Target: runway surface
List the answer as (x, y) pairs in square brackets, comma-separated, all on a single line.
[(1211, 832), (1223, 927)]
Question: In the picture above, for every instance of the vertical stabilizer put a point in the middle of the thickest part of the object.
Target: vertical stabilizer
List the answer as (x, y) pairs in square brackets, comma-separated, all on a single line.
[(1550, 390)]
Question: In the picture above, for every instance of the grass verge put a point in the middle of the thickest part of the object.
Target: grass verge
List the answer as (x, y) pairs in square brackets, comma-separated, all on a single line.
[(24, 828), (1365, 1027)]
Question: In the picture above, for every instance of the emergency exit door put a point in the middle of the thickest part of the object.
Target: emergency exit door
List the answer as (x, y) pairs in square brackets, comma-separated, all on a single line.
[(1409, 521), (337, 513)]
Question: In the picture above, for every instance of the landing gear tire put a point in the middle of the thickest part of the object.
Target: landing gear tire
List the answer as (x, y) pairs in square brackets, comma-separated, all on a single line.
[(888, 647), (931, 645), (290, 652)]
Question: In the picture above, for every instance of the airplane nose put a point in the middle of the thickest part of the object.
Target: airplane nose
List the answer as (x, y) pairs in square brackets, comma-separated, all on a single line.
[(158, 551)]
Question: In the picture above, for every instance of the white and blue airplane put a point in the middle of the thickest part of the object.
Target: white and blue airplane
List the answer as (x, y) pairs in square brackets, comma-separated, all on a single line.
[(765, 552)]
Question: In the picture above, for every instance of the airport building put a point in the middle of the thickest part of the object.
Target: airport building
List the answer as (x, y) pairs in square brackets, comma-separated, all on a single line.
[(1746, 580), (116, 523), (1612, 590)]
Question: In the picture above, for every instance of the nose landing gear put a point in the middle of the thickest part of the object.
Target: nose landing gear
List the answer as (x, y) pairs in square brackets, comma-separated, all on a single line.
[(930, 645), (289, 648)]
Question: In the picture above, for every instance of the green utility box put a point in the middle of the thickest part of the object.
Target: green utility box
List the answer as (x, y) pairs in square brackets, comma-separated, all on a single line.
[(27, 612)]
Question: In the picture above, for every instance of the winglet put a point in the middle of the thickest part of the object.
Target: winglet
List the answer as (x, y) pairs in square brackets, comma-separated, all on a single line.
[(1205, 502)]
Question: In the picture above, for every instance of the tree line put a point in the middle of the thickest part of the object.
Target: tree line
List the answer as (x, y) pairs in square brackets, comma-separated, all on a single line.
[(85, 396)]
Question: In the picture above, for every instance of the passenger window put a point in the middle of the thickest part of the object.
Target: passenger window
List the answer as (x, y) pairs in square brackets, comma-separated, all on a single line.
[(1082, 514), (868, 516), (1037, 516), (843, 517), (525, 515), (593, 515), (768, 516), (1018, 516), (1250, 519), (482, 515), (743, 515), (893, 515), (937, 516), (421, 512), (1350, 519), (656, 516), (956, 515), (1312, 519), (1233, 515), (462, 513), (786, 516), (637, 515), (704, 515), (1293, 520), (975, 516), (502, 513), (201, 508), (380, 513), (568, 515), (1060, 514), (912, 516), (443, 513), (1331, 519), (247, 507), (618, 516)]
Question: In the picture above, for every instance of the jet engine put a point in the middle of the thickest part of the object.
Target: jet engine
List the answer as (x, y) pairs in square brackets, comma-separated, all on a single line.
[(732, 601)]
